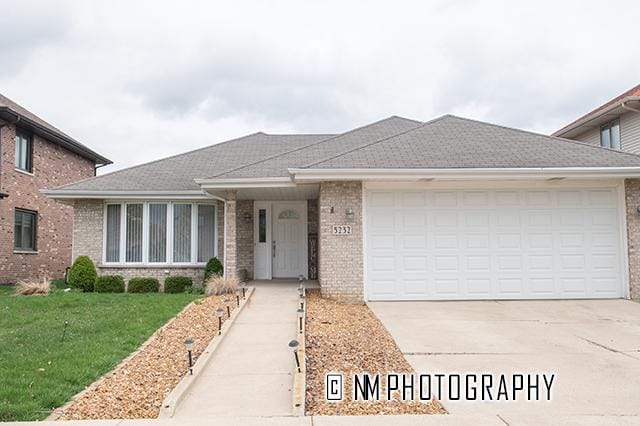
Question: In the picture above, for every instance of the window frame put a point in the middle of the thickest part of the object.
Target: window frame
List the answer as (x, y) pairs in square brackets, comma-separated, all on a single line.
[(28, 137), (607, 127), (33, 249), (169, 231)]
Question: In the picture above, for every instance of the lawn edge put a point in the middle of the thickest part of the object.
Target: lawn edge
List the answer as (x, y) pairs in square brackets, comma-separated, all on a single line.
[(175, 397), (299, 396), (58, 412)]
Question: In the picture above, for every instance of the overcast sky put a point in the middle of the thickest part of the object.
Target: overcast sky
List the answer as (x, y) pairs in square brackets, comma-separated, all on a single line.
[(138, 80)]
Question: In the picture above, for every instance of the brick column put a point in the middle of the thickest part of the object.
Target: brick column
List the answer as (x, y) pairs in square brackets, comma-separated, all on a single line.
[(340, 257), (632, 202), (231, 250)]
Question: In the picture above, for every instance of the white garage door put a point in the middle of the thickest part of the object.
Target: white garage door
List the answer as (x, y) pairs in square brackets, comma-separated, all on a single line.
[(493, 244)]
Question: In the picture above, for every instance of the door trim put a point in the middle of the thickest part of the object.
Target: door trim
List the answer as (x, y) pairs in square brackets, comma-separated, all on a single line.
[(269, 206)]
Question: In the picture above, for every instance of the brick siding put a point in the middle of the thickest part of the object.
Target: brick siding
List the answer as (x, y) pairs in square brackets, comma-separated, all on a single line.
[(341, 261), (244, 229), (632, 198), (52, 166)]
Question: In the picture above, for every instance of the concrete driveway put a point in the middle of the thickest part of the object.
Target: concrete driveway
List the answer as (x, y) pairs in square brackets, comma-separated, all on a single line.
[(592, 346)]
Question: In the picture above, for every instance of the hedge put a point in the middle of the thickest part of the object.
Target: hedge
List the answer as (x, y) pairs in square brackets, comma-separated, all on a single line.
[(109, 284), (213, 267), (83, 274), (177, 284), (143, 285)]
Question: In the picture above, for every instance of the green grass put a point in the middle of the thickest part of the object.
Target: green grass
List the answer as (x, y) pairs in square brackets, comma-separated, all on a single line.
[(103, 329)]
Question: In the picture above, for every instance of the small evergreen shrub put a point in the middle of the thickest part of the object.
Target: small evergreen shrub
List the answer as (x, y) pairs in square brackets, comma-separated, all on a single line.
[(82, 274), (195, 290), (213, 267), (177, 284), (109, 284), (143, 285)]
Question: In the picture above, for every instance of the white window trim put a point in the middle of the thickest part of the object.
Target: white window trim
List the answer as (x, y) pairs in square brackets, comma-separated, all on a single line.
[(145, 232)]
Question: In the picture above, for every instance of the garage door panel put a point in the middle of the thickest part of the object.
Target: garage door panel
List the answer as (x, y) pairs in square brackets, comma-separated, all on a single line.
[(493, 244)]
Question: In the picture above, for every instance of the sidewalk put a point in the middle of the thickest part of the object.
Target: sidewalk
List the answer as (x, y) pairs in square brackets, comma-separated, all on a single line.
[(250, 374)]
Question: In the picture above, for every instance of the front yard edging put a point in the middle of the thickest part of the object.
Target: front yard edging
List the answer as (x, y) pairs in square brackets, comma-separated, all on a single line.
[(170, 403), (299, 377)]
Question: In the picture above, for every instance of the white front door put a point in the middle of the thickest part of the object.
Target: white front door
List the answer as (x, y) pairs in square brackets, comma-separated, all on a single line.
[(289, 239)]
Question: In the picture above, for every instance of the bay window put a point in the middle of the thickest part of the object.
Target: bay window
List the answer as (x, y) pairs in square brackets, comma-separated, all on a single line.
[(159, 233)]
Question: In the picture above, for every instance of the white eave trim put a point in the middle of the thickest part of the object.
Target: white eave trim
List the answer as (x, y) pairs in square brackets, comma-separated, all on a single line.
[(317, 175), (266, 182), (62, 194)]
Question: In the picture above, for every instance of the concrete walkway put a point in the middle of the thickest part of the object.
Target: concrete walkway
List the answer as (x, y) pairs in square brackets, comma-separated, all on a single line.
[(251, 373)]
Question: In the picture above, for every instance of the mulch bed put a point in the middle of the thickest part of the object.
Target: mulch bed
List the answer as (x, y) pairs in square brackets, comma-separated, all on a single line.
[(350, 339), (137, 388)]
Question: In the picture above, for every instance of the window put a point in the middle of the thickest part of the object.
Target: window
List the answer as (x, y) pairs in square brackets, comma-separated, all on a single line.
[(610, 135), (161, 233), (24, 152), (262, 225), (24, 235)]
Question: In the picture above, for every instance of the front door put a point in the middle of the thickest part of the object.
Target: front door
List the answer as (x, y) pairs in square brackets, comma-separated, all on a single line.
[(289, 240)]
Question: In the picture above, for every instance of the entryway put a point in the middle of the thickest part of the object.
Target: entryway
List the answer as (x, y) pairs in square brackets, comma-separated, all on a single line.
[(280, 239)]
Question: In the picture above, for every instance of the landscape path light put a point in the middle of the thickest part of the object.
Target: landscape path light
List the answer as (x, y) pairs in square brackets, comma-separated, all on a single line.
[(219, 314), (294, 345), (189, 344), (302, 300), (244, 290), (238, 296), (64, 330), (300, 316)]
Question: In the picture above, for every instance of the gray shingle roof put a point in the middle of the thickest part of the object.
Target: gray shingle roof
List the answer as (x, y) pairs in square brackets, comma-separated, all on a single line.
[(11, 108), (178, 172), (454, 142), (392, 143), (278, 166)]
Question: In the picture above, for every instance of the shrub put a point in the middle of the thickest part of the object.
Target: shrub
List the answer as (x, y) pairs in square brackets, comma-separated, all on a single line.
[(217, 285), (143, 285), (59, 284), (177, 284), (194, 290), (30, 287), (109, 284), (213, 267), (83, 274)]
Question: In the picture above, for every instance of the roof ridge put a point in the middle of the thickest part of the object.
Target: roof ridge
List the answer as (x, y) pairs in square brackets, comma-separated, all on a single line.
[(557, 138), (160, 159), (423, 124), (307, 146)]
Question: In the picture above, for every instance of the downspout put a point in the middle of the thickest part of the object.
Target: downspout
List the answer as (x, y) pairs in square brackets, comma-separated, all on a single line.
[(2, 194), (224, 238)]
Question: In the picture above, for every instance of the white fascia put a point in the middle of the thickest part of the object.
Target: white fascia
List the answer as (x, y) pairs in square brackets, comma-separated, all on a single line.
[(62, 194), (318, 175), (266, 182)]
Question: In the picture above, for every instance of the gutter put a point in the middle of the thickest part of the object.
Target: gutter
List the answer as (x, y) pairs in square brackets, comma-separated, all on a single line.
[(589, 117), (239, 183), (62, 194), (318, 175)]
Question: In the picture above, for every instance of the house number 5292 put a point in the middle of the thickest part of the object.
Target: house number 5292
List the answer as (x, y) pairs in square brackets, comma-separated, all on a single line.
[(342, 230)]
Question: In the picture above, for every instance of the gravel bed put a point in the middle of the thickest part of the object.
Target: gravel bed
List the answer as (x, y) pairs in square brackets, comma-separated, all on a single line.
[(350, 339), (137, 388)]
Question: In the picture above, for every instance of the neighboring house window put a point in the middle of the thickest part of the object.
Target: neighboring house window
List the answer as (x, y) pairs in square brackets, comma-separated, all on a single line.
[(160, 233), (24, 230), (610, 135), (24, 152)]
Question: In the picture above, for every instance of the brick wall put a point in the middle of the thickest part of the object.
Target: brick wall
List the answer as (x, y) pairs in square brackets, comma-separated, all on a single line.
[(340, 263), (87, 241), (244, 235), (632, 196), (52, 166)]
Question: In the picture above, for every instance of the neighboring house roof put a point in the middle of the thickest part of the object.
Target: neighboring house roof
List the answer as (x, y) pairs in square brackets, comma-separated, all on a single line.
[(447, 142), (14, 113), (451, 142), (609, 110), (177, 173)]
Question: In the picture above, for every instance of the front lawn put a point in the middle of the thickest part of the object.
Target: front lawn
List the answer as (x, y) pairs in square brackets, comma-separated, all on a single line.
[(39, 371)]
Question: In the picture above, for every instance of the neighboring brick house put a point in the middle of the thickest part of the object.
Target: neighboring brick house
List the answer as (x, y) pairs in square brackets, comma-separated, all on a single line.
[(36, 231), (448, 209)]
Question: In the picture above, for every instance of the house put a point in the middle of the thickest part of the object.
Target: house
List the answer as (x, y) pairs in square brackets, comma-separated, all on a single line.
[(615, 125), (35, 232), (447, 209)]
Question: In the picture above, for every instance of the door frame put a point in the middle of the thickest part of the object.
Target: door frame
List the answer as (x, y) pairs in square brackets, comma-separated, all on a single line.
[(269, 206)]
